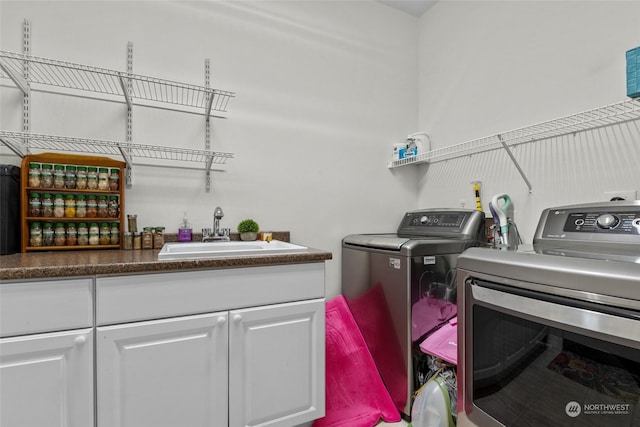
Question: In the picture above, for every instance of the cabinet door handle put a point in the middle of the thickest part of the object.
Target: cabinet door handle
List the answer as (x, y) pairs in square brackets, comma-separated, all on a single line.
[(222, 320), (80, 340), (237, 318)]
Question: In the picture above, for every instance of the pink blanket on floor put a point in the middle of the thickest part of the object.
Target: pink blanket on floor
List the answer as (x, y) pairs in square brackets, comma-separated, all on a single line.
[(355, 394)]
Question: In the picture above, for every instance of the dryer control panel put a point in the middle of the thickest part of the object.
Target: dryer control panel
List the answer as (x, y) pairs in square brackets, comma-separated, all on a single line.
[(591, 224)]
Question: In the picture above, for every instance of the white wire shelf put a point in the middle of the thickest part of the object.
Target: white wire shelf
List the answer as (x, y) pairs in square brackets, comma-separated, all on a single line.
[(101, 80), (23, 143), (621, 112)]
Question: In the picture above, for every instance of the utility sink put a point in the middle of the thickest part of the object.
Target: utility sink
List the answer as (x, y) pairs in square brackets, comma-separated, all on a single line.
[(200, 250)]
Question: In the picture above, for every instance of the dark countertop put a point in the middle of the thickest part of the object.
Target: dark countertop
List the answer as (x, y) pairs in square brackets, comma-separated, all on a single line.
[(42, 265)]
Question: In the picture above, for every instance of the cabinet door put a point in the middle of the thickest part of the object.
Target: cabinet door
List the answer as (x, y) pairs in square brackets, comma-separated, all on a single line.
[(46, 380), (276, 364), (171, 372)]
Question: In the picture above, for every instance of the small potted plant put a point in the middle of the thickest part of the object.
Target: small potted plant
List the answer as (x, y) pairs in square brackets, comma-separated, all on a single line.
[(248, 229)]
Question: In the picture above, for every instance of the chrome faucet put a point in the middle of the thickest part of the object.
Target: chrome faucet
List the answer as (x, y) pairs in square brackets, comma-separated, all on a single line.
[(218, 234)]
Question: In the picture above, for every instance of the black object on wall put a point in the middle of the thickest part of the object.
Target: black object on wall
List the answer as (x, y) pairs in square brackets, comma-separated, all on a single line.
[(10, 230)]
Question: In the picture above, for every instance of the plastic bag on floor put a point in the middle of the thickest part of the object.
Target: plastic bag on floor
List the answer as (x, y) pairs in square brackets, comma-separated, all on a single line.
[(435, 403)]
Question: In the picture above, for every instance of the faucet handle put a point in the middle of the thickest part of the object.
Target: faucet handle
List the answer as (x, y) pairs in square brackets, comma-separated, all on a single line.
[(226, 232), (206, 232)]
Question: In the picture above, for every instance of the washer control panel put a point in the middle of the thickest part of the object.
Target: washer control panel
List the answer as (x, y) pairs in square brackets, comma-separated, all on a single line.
[(467, 224), (603, 222), (435, 220)]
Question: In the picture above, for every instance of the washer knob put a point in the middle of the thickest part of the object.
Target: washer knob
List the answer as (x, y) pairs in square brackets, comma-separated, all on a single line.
[(424, 219), (607, 221)]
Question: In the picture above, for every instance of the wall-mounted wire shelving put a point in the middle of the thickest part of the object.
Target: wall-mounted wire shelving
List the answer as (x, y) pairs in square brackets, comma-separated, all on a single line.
[(620, 112), (130, 87), (31, 73)]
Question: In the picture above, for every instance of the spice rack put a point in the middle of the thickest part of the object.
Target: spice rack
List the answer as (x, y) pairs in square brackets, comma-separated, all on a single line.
[(69, 160)]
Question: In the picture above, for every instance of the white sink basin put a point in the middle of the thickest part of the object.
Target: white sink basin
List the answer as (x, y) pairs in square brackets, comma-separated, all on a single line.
[(195, 250)]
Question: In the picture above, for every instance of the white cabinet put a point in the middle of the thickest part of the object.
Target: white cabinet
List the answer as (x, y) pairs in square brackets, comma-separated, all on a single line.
[(46, 380), (170, 372), (276, 364)]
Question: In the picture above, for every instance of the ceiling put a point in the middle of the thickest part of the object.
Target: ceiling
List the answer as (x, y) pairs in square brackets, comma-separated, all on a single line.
[(412, 7)]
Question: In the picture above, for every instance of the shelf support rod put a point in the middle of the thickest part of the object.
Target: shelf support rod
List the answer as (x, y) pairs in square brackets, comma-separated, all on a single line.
[(18, 80), (515, 162), (26, 96), (207, 124), (126, 88), (14, 147)]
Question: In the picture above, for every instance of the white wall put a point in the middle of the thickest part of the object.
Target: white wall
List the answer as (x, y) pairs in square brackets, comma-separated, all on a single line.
[(493, 66), (323, 90)]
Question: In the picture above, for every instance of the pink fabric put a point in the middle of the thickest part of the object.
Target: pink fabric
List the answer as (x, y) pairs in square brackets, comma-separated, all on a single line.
[(372, 315), (443, 343), (429, 313), (355, 395)]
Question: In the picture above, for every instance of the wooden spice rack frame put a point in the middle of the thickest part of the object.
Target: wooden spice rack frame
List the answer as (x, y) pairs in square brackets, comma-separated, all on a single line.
[(75, 160)]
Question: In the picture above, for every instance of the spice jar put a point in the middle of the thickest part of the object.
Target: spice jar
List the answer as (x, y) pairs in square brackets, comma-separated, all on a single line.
[(35, 205), (103, 206), (137, 240), (81, 206), (72, 234), (158, 238), (70, 206), (60, 235), (105, 233), (115, 233), (47, 234), (92, 178), (147, 238), (58, 176), (70, 177), (94, 234), (81, 178), (46, 177), (113, 207), (114, 179), (35, 234), (103, 179), (83, 234), (92, 206), (133, 223), (47, 205), (58, 206), (127, 240), (34, 175)]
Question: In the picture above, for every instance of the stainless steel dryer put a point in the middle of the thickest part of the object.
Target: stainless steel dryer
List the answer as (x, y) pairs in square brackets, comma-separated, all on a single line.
[(401, 287), (550, 334)]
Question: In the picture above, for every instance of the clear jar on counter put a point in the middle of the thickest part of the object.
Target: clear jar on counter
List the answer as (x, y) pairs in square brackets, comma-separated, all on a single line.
[(147, 238), (137, 240), (115, 233), (92, 178), (46, 176), (83, 234), (103, 206), (70, 177), (72, 234), (113, 207), (94, 234), (60, 238), (47, 234), (47, 205), (158, 238), (34, 175), (35, 204), (81, 178), (103, 179), (92, 206), (58, 206), (105, 233), (81, 206), (114, 179), (70, 206), (58, 176), (127, 240), (35, 234)]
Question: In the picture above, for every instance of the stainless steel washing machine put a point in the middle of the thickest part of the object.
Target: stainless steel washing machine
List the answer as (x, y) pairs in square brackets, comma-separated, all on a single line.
[(550, 334), (401, 287)]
